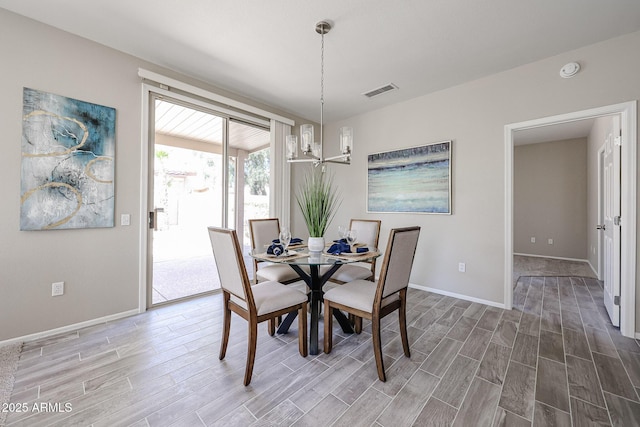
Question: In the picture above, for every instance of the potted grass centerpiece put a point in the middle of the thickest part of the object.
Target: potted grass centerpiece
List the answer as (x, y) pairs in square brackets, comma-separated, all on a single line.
[(318, 201)]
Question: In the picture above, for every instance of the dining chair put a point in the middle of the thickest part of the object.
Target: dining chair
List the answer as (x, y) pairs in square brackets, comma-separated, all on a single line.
[(368, 233), (263, 301), (371, 300), (263, 232)]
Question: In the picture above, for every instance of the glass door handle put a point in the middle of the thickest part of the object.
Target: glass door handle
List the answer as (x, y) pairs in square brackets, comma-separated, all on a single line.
[(153, 218)]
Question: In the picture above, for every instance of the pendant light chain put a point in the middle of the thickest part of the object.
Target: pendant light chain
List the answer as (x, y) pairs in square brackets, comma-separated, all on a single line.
[(321, 88)]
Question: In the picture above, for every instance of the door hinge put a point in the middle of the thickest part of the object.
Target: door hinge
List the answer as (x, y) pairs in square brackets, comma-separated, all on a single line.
[(617, 141), (616, 300), (616, 220)]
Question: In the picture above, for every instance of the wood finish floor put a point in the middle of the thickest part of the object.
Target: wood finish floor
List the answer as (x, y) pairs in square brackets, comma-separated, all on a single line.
[(553, 360)]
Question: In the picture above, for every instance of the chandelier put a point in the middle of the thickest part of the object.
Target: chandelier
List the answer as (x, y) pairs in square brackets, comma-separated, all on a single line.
[(312, 150)]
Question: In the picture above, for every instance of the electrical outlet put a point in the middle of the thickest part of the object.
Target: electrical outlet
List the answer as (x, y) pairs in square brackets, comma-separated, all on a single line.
[(462, 267), (550, 241), (533, 240), (57, 289)]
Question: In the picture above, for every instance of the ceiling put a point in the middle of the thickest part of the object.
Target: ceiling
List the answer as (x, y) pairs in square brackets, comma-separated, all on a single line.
[(269, 50)]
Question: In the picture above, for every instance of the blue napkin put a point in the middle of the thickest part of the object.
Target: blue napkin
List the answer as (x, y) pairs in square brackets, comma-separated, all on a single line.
[(275, 249), (344, 248), (294, 241)]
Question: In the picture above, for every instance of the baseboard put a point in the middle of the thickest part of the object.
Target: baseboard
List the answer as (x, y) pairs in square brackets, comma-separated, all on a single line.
[(455, 295), (555, 257), (69, 328), (595, 273)]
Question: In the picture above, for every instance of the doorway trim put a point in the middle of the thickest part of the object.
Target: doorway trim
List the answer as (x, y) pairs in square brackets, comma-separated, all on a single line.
[(628, 124)]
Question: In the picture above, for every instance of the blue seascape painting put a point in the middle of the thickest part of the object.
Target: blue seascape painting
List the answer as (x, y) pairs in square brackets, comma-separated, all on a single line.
[(68, 152), (416, 179)]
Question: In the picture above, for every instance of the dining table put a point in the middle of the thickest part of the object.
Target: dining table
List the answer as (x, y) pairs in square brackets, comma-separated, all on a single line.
[(315, 269)]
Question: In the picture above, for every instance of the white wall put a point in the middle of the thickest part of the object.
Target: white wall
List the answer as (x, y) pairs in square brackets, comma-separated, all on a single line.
[(473, 115), (100, 267), (550, 198)]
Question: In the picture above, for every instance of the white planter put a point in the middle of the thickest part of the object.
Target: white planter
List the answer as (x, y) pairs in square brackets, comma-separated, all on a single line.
[(315, 244)]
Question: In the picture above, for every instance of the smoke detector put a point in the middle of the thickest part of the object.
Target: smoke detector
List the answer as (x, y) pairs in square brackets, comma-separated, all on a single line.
[(569, 70)]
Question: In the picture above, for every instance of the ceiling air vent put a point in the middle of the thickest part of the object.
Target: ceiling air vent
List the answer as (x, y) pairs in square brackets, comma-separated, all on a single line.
[(380, 90)]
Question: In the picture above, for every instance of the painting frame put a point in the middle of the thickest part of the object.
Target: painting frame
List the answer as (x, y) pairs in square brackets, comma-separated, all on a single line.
[(415, 179), (68, 163)]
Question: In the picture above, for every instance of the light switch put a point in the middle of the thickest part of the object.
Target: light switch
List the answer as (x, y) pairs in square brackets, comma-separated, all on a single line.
[(125, 219)]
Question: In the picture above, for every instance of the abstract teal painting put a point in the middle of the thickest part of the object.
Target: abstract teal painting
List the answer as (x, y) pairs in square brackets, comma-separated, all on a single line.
[(68, 153), (416, 179)]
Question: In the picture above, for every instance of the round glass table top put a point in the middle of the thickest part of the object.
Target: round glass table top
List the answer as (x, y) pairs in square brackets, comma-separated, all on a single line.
[(301, 256)]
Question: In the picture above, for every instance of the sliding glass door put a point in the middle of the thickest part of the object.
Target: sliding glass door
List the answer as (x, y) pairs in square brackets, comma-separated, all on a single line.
[(199, 179)]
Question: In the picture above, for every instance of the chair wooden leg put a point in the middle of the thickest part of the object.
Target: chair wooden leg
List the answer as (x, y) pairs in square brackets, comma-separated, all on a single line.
[(377, 347), (226, 325), (328, 328), (402, 318), (251, 349), (357, 324), (302, 330), (272, 326)]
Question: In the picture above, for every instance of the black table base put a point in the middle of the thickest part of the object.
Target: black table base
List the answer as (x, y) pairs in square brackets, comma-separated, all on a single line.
[(315, 282)]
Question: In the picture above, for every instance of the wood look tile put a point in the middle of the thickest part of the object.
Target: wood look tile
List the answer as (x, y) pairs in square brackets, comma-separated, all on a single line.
[(613, 376), (551, 321), (476, 344), (489, 320), (549, 416), (525, 349), (571, 320), (575, 344), (631, 362), (365, 411), (551, 384), (623, 412), (583, 380), (479, 406), (428, 341), (451, 316), (508, 419), (586, 414), (461, 330), (505, 333), (551, 346), (625, 343), (328, 410), (498, 367), (436, 414), (518, 390), (494, 363), (529, 324), (600, 342), (406, 406), (439, 360), (456, 380), (475, 311)]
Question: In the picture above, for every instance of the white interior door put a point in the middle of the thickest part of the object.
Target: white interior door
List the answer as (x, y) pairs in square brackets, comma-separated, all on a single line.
[(610, 227)]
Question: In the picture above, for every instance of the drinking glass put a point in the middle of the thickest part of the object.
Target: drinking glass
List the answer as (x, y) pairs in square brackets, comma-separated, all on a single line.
[(351, 238), (342, 232), (285, 239)]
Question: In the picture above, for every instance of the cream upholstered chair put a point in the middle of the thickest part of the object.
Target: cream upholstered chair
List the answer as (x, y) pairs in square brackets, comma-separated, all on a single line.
[(263, 232), (257, 303), (373, 301), (367, 232)]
